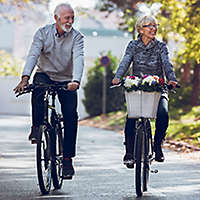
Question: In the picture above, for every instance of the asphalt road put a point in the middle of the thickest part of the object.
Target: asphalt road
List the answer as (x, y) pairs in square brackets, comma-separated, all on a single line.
[(100, 174)]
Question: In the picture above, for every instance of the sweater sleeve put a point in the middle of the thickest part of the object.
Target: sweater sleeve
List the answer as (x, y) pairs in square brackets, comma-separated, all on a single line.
[(78, 58), (167, 66), (126, 61), (34, 53)]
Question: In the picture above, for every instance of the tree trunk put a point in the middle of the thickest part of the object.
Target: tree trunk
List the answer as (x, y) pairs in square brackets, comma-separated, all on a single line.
[(185, 78), (195, 85)]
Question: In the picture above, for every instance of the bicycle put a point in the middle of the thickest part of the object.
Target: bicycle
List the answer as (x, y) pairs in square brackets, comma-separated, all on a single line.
[(143, 155), (49, 151)]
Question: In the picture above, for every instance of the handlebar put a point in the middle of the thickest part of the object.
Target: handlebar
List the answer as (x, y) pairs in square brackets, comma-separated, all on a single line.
[(169, 87), (49, 87)]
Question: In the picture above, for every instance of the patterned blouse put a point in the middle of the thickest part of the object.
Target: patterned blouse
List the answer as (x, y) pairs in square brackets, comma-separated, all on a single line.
[(150, 60)]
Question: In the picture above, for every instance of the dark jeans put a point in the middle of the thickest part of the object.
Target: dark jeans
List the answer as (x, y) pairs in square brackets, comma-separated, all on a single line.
[(162, 121), (68, 101)]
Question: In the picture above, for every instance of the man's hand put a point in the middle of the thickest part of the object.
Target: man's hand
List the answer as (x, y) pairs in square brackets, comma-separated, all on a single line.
[(115, 81), (173, 83), (22, 84), (72, 86)]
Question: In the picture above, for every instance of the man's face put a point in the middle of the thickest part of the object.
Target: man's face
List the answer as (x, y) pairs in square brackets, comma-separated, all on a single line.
[(66, 19)]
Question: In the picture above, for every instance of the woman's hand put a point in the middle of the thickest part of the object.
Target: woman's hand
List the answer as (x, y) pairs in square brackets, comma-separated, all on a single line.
[(115, 81), (173, 83)]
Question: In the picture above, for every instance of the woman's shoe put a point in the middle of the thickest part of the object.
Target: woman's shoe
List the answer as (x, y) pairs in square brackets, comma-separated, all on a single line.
[(128, 161), (159, 157)]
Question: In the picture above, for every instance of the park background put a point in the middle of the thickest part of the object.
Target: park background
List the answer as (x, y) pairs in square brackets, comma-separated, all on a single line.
[(108, 26)]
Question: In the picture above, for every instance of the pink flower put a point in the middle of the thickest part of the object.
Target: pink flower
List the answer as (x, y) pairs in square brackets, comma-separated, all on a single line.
[(145, 76), (132, 77), (161, 81)]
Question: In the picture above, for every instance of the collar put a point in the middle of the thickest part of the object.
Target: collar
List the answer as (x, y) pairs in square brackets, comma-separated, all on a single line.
[(57, 34)]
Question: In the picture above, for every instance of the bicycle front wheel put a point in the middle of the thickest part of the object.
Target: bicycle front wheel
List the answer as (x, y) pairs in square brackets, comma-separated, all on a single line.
[(146, 153), (44, 159), (139, 149), (58, 157)]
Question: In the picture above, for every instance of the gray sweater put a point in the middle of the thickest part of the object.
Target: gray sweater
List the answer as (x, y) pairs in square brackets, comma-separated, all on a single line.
[(150, 60), (60, 57)]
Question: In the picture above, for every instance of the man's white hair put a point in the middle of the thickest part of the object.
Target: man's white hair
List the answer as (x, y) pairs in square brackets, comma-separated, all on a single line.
[(58, 8)]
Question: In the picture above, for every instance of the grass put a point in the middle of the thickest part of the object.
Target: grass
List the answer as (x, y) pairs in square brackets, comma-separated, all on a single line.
[(187, 128), (183, 126)]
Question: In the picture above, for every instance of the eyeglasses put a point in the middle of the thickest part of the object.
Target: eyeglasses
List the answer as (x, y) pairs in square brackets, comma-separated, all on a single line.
[(151, 26)]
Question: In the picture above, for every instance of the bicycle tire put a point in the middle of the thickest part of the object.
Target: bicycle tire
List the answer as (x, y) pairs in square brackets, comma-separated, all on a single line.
[(57, 168), (147, 150), (146, 162), (43, 159), (139, 164)]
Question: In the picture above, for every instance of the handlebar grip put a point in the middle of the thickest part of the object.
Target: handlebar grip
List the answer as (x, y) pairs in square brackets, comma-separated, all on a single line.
[(170, 87), (114, 86)]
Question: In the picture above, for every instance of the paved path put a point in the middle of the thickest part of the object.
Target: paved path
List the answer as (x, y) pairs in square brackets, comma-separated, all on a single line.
[(100, 174)]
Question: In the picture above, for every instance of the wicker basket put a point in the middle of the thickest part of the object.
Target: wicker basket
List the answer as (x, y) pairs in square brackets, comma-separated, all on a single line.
[(142, 104)]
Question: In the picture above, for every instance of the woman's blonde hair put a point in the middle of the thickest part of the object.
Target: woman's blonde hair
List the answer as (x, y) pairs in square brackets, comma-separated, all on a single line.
[(143, 21)]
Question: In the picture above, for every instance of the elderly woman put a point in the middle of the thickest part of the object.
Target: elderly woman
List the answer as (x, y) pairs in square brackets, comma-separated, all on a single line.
[(147, 56)]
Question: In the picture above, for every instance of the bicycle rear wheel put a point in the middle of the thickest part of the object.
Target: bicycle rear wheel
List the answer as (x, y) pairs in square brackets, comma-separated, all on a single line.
[(44, 159), (57, 168), (139, 171)]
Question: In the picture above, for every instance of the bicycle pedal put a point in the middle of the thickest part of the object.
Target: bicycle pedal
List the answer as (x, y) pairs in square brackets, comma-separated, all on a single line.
[(155, 171), (33, 141)]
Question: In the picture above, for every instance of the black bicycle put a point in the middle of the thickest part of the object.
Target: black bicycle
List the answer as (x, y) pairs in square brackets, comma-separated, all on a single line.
[(49, 149), (143, 150)]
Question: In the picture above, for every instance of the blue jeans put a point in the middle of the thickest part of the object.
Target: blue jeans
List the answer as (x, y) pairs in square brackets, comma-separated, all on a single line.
[(68, 101), (162, 122)]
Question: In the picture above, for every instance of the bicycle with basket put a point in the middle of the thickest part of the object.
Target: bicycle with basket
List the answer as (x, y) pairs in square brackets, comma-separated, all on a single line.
[(142, 98)]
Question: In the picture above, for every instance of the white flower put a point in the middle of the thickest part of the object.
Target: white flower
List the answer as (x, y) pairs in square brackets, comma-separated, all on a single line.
[(128, 83), (148, 79)]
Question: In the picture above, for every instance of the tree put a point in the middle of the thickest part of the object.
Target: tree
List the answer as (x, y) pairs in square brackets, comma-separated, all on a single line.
[(93, 89), (182, 18), (127, 7), (8, 8)]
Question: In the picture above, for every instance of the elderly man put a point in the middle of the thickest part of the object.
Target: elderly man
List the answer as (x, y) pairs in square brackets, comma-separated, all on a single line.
[(58, 52)]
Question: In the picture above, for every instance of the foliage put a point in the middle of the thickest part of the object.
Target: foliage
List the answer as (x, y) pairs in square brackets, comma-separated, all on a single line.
[(94, 88), (187, 128), (9, 66), (15, 10), (147, 83), (15, 2), (127, 7), (183, 19)]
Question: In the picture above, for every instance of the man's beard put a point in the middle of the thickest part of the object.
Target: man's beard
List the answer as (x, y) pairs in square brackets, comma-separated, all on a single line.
[(64, 28)]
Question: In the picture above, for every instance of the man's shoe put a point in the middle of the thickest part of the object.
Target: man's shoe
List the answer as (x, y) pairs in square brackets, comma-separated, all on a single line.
[(68, 169), (33, 135), (128, 161), (159, 157)]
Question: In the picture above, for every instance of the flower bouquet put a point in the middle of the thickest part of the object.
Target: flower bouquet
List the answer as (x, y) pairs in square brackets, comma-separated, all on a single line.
[(142, 95), (147, 83)]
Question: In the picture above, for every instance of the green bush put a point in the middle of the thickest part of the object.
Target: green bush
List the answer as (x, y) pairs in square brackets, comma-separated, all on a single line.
[(93, 90), (10, 66)]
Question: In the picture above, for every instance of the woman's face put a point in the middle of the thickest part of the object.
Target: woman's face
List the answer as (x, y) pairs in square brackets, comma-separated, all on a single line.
[(149, 30)]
